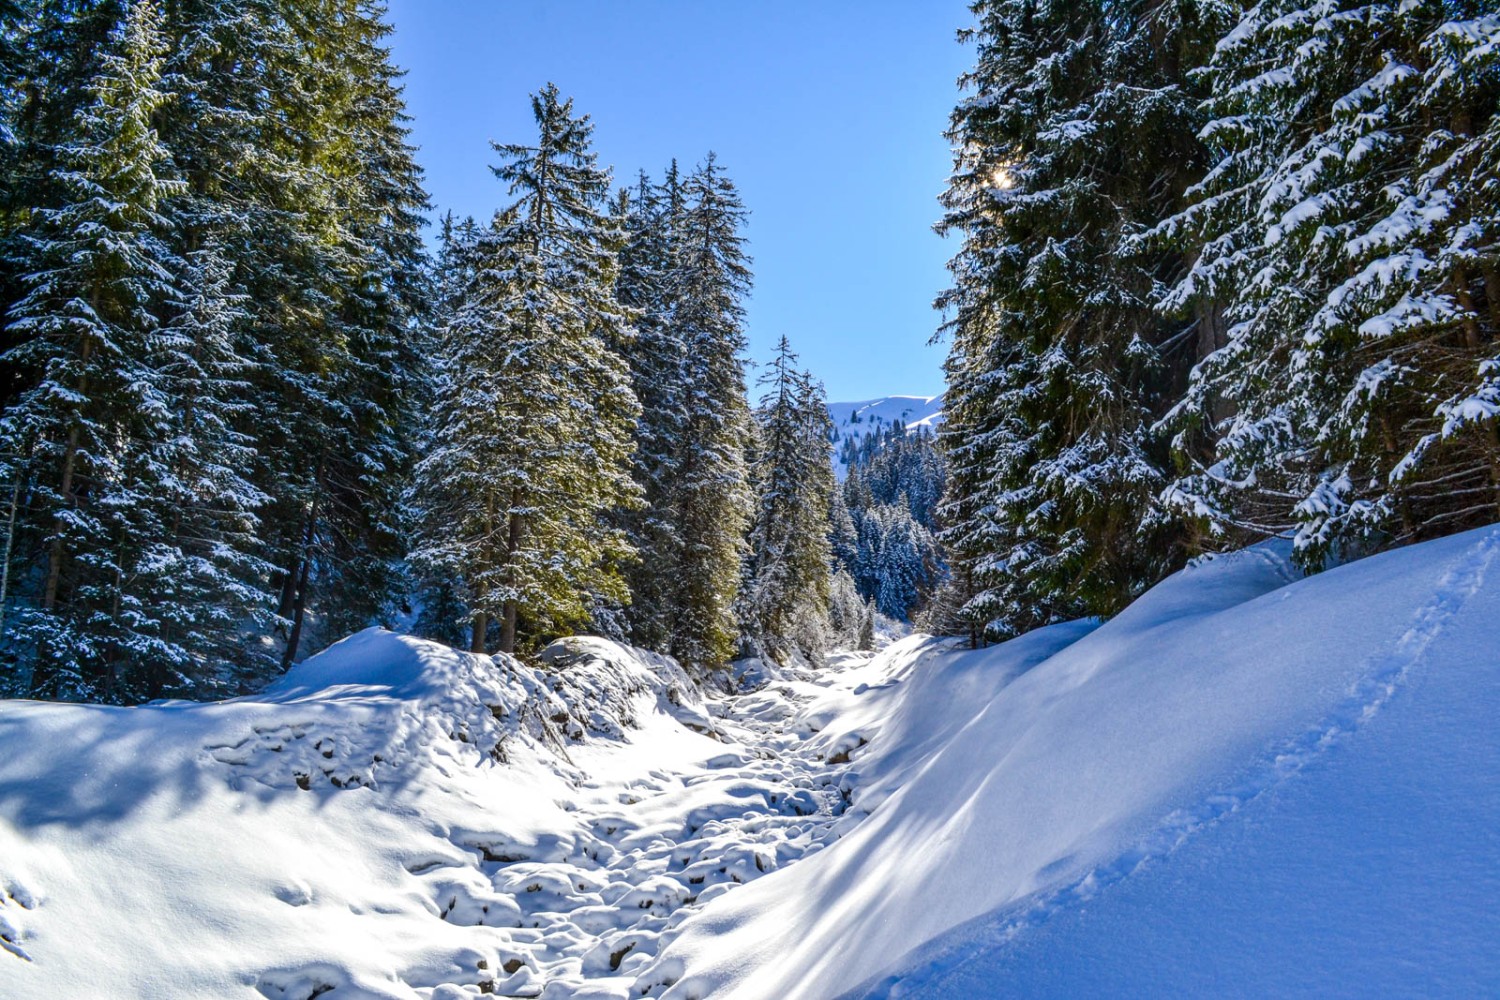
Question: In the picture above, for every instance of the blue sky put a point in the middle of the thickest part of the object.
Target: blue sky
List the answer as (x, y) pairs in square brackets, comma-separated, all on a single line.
[(827, 114)]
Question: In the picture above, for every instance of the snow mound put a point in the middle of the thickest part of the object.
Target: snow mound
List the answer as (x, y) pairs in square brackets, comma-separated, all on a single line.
[(392, 819), (1066, 814)]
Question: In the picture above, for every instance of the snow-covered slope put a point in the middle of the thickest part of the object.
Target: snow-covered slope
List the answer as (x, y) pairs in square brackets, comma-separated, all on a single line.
[(853, 422), (1246, 784), (868, 415)]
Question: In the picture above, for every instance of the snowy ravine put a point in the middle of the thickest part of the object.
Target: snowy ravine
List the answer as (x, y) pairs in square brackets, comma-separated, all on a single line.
[(1246, 784), (397, 819)]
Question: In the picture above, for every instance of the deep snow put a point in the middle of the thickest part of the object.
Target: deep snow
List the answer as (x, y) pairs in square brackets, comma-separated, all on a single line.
[(1247, 784)]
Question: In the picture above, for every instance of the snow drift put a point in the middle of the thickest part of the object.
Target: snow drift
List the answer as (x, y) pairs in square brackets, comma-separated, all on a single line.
[(1247, 784), (1029, 803)]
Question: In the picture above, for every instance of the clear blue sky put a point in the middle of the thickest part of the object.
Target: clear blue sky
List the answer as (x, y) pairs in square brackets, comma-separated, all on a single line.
[(827, 114)]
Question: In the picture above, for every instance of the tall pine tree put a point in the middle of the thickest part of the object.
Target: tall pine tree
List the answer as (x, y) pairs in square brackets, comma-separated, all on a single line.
[(532, 445), (784, 606)]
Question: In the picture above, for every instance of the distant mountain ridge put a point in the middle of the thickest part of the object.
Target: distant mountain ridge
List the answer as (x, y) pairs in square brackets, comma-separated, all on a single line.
[(855, 421)]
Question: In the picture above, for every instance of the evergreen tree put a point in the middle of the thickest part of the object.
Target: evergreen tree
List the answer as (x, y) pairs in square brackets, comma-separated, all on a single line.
[(784, 607), (99, 276), (659, 375), (197, 582), (846, 610), (709, 496), (1348, 227), (1078, 132), (532, 445)]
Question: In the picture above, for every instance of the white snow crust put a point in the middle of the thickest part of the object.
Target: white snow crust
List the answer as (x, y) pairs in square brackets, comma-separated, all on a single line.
[(1247, 784)]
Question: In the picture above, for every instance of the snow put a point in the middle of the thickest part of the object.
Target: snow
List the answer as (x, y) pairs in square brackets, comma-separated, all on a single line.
[(393, 819), (866, 417), (1248, 783), (1140, 769)]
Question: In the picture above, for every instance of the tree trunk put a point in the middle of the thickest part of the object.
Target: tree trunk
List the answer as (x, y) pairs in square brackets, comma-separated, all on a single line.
[(481, 625), (70, 459), (10, 546), (299, 606), (508, 629), (508, 623), (288, 591), (1470, 323)]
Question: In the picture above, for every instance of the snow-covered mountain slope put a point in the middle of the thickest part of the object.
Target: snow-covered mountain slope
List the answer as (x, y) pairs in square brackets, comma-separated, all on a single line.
[(868, 415), (1246, 784), (853, 422)]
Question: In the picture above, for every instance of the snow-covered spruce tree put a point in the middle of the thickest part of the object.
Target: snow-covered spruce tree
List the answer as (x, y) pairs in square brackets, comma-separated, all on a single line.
[(898, 563), (532, 446), (385, 292), (53, 50), (784, 603), (438, 593), (1350, 226), (709, 496), (843, 536), (906, 463), (99, 275), (294, 146), (197, 592), (659, 373), (1078, 130), (846, 610)]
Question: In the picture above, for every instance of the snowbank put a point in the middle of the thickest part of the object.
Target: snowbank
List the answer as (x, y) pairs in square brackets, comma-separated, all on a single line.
[(1225, 775), (1247, 784), (357, 827)]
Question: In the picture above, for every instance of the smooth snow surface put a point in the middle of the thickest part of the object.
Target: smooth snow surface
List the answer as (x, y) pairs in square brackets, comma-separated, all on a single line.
[(1245, 785)]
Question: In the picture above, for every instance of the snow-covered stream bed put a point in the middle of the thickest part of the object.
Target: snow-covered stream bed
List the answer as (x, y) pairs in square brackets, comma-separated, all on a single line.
[(396, 819), (1247, 784)]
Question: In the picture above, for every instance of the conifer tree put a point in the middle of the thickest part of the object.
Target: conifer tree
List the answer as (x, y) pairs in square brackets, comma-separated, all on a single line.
[(1348, 229), (197, 581), (532, 445), (709, 494), (784, 607), (1078, 131), (658, 367), (99, 274)]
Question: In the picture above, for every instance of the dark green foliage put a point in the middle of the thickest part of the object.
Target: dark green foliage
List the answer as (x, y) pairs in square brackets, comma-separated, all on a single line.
[(1077, 132), (784, 606), (226, 188), (531, 441)]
